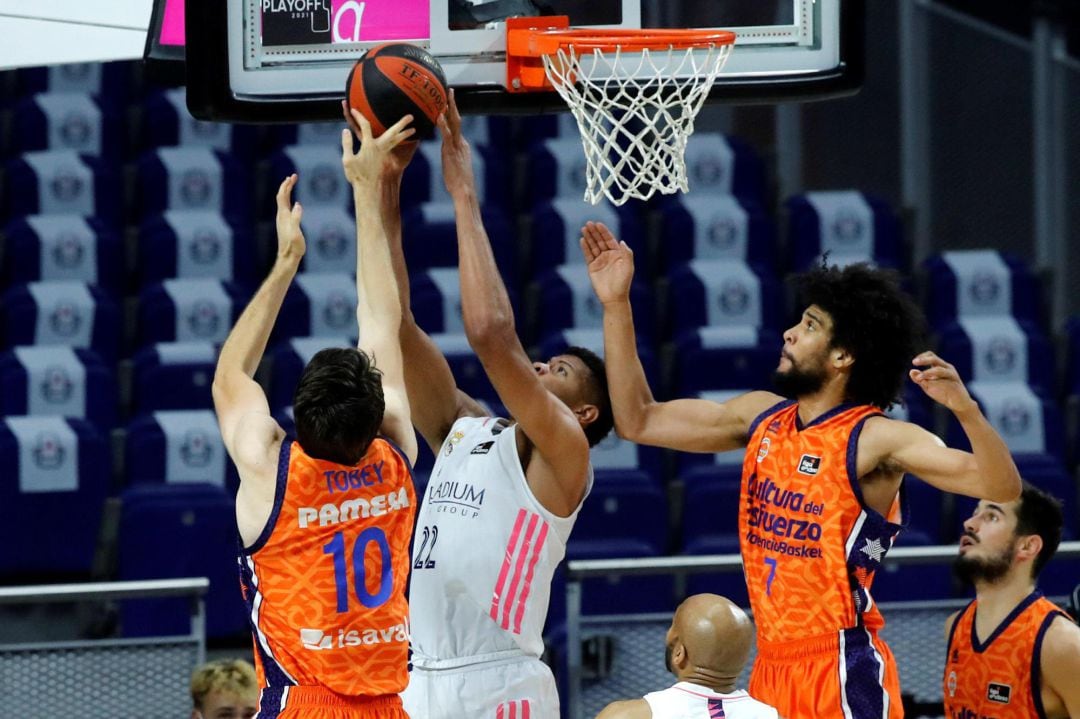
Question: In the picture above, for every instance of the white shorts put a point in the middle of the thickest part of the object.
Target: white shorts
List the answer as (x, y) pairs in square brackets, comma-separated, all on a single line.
[(518, 688)]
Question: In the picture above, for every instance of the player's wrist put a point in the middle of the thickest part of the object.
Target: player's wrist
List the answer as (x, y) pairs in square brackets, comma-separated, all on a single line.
[(966, 409)]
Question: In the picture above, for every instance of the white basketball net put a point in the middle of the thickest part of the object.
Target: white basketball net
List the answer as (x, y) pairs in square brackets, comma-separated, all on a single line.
[(635, 115)]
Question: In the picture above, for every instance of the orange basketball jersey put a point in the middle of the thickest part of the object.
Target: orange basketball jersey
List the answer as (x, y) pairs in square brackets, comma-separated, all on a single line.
[(998, 677), (325, 582), (810, 546)]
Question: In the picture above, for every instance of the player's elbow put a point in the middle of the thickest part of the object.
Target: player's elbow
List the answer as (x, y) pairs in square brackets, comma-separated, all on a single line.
[(489, 330), (631, 424)]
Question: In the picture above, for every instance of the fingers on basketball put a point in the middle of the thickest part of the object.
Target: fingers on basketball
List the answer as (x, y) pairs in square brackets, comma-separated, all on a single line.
[(399, 131)]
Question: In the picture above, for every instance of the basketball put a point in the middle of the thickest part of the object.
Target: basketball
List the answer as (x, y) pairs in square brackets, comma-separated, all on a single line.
[(396, 79)]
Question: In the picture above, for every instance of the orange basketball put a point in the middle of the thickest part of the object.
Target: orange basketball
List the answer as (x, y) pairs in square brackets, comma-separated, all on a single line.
[(396, 79)]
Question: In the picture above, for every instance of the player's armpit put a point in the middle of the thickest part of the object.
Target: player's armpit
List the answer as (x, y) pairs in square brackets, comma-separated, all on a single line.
[(698, 425), (630, 709), (236, 397), (1060, 663), (253, 446)]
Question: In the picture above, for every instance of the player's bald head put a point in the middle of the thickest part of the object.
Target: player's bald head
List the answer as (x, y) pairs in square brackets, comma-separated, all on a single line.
[(715, 633)]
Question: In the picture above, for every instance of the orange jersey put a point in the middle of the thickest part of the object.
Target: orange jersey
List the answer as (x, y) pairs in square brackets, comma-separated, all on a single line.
[(999, 677), (325, 582), (810, 546)]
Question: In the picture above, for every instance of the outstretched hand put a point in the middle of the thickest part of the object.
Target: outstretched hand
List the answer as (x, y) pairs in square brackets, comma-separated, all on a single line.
[(399, 157), (291, 244), (610, 262), (940, 381), (456, 153), (364, 167)]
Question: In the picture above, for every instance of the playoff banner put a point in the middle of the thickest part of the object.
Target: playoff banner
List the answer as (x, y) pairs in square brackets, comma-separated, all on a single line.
[(323, 22)]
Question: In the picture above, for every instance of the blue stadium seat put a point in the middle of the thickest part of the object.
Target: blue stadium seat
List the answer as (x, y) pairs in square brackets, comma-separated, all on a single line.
[(436, 300), (289, 360), (309, 133), (188, 311), (72, 121), (173, 375), (196, 244), (111, 82), (1072, 356), (318, 305), (711, 227), (429, 238), (618, 459), (556, 231), (62, 182), (849, 226), (167, 123), (731, 583), (912, 582), (63, 247), (926, 514), (468, 371), (424, 180), (710, 504), (613, 595), (567, 301), (64, 313), (154, 522), (708, 358), (980, 283), (193, 178), (320, 178), (556, 168), (624, 505), (720, 165), (177, 447), (330, 232), (1029, 424), (490, 131), (1000, 349), (57, 381), (723, 294), (57, 475)]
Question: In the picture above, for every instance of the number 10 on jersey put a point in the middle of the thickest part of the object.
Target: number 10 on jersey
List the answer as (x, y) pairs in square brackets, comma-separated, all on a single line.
[(337, 548)]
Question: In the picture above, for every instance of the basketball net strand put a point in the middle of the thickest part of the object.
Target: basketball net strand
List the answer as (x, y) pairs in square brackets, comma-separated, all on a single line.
[(635, 120)]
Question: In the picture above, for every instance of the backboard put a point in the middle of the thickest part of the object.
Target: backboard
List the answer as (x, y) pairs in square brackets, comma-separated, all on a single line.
[(287, 60)]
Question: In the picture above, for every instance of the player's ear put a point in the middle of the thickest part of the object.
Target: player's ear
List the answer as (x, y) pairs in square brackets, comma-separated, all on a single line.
[(841, 358), (1029, 547), (587, 414)]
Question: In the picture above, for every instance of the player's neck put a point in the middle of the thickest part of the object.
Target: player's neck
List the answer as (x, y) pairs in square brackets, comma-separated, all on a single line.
[(814, 405), (998, 599), (710, 681)]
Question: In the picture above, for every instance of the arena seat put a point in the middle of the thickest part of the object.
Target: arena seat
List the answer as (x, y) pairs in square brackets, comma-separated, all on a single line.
[(436, 300), (177, 447), (320, 178), (429, 238), (708, 358), (173, 375), (567, 301), (721, 165), (980, 283), (1029, 424), (63, 247), (911, 582), (1000, 349), (723, 293), (188, 311), (109, 82), (196, 244), (424, 182), (61, 312), (318, 305), (58, 474), (167, 123), (848, 225), (556, 231), (716, 227), (193, 178), (73, 121), (330, 232), (62, 182), (289, 360), (60, 382), (556, 168)]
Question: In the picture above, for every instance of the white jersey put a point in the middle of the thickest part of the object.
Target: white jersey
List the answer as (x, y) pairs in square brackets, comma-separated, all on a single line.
[(692, 701), (484, 553)]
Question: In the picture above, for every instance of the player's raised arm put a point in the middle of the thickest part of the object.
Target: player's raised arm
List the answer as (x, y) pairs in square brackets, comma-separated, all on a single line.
[(549, 423), (378, 309), (242, 410), (434, 399), (987, 472), (690, 425)]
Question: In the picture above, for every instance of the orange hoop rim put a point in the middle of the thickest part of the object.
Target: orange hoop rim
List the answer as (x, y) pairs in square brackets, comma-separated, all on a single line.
[(548, 42)]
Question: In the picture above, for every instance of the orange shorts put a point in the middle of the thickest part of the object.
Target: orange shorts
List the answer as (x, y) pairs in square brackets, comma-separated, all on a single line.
[(304, 702), (848, 675)]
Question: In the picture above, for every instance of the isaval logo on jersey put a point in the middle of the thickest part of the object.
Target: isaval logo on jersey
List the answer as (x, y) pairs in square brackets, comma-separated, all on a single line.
[(999, 693), (809, 464)]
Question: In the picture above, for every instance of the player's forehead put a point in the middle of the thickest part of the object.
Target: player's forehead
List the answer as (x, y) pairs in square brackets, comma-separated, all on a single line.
[(1005, 510), (572, 362), (818, 314)]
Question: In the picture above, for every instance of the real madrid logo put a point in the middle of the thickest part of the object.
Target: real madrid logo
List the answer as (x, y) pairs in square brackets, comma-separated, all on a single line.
[(847, 227), (205, 247), (708, 171), (331, 242), (56, 387), (48, 452), (722, 233), (984, 288), (195, 188), (734, 299), (1015, 418), (1000, 355), (453, 440), (196, 449), (324, 183), (75, 130), (68, 251), (66, 186), (65, 319), (338, 311), (204, 319)]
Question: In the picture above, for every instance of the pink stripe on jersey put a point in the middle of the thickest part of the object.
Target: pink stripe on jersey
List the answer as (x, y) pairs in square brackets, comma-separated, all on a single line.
[(528, 579), (500, 713), (497, 594), (513, 710), (508, 602), (524, 709)]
